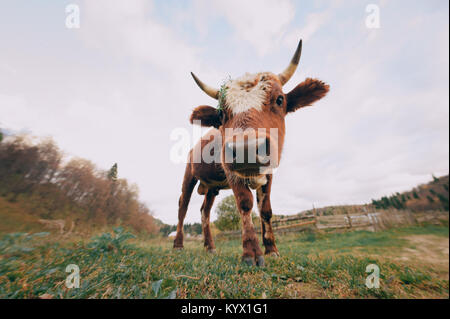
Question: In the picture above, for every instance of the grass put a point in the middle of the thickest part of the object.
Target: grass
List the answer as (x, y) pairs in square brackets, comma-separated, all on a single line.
[(117, 265)]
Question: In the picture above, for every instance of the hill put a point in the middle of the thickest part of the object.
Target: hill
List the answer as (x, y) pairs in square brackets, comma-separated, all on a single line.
[(426, 197), (431, 196)]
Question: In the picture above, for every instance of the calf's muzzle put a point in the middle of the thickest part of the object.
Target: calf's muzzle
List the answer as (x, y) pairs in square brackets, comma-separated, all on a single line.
[(248, 155)]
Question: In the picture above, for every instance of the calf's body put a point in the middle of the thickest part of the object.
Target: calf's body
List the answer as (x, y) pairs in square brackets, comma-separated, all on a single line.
[(241, 150)]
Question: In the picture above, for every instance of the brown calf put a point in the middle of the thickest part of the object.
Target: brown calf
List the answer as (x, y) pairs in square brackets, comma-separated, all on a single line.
[(245, 144)]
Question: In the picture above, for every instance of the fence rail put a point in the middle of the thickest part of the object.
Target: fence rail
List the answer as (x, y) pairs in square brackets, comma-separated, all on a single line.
[(372, 221)]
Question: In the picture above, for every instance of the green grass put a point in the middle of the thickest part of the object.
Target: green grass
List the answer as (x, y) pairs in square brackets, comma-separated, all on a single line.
[(311, 266), (427, 229)]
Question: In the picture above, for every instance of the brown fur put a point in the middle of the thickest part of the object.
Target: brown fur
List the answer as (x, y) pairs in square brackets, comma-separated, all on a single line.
[(208, 116), (219, 175), (306, 93)]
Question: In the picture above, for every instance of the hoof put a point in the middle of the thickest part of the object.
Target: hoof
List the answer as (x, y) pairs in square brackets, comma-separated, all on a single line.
[(249, 261), (212, 251), (260, 261), (177, 248)]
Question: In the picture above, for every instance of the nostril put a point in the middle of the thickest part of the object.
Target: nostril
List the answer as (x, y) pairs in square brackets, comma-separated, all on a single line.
[(263, 147), (230, 150), (267, 146)]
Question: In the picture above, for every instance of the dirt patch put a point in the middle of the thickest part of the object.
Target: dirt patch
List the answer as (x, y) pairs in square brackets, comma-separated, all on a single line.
[(427, 249)]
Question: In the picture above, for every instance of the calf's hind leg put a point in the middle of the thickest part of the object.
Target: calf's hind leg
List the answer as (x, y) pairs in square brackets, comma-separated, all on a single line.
[(189, 182), (205, 210)]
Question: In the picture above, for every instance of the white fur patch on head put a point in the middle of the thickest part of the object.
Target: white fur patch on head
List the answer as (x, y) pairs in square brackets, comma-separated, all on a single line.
[(247, 92)]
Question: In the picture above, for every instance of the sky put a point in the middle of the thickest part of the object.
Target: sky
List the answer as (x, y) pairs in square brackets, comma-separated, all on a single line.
[(118, 87)]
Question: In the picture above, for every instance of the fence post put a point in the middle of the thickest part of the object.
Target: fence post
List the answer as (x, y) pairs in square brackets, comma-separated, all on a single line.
[(371, 218), (316, 219), (349, 219)]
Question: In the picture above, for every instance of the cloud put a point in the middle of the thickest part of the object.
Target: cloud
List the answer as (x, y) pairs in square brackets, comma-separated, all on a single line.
[(16, 112), (131, 29), (115, 89), (312, 24), (260, 23)]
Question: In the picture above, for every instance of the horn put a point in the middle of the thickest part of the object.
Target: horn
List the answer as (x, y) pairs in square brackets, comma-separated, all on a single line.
[(212, 92), (290, 70)]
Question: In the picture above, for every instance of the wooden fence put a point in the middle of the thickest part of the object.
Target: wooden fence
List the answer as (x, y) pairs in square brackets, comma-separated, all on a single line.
[(362, 220)]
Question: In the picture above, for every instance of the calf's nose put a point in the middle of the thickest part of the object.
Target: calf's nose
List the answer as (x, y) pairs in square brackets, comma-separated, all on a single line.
[(248, 151)]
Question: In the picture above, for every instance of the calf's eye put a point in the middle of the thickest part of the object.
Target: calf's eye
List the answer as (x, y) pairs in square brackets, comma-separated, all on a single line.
[(280, 100)]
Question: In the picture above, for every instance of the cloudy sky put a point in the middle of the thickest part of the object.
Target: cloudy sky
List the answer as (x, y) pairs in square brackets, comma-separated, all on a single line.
[(115, 89)]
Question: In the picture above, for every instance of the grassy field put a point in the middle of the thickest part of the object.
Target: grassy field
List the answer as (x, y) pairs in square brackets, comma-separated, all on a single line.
[(413, 263)]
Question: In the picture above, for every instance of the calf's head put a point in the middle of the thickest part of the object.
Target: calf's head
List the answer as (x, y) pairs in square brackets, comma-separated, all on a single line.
[(251, 116)]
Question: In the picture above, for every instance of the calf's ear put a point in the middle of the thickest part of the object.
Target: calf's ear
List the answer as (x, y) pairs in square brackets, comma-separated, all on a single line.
[(306, 93), (206, 115)]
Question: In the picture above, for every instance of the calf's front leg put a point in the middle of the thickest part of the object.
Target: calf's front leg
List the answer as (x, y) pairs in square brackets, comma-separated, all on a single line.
[(265, 209), (252, 253)]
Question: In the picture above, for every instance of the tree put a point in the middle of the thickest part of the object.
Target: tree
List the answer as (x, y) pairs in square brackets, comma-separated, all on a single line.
[(386, 202), (112, 173), (435, 179), (444, 201), (193, 229), (403, 197), (376, 204), (167, 229), (228, 216)]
